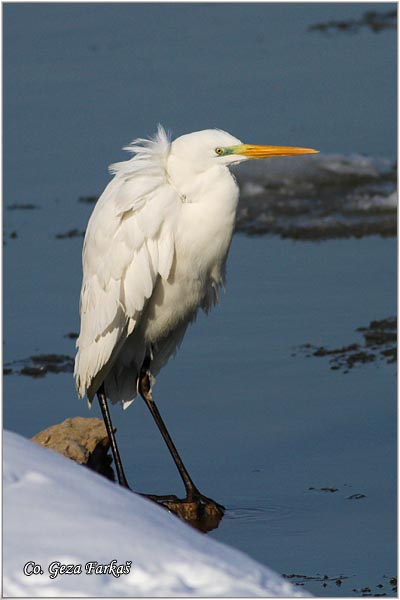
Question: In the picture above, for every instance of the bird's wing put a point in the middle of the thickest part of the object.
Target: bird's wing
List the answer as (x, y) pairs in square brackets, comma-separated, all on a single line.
[(129, 243)]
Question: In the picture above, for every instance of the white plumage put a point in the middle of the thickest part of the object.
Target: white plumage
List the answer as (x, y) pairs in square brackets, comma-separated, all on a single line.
[(154, 253)]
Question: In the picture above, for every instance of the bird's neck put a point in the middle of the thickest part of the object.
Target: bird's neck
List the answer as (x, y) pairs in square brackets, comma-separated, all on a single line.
[(216, 183)]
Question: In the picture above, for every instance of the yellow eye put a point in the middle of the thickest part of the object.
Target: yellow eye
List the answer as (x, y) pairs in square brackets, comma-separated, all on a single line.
[(219, 151)]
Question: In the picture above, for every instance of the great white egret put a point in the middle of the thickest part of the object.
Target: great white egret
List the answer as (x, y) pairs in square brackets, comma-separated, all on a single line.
[(154, 253)]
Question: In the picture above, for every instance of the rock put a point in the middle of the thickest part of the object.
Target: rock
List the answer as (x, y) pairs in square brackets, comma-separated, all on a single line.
[(81, 439), (202, 517), (202, 513)]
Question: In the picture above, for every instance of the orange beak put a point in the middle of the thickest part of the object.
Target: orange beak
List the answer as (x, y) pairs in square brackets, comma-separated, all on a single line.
[(268, 151)]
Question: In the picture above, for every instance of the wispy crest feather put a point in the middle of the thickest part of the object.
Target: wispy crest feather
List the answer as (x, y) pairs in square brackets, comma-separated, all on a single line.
[(150, 154)]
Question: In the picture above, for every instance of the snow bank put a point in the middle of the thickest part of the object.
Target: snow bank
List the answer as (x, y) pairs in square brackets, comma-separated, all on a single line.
[(57, 512)]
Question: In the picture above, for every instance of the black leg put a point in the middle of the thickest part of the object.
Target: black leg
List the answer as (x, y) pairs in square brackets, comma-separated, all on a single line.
[(145, 391), (110, 431)]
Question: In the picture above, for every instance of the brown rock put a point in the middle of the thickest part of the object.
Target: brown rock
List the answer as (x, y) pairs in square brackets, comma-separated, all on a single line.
[(81, 439)]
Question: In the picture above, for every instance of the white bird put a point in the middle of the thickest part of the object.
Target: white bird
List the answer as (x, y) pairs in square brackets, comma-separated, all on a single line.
[(155, 251)]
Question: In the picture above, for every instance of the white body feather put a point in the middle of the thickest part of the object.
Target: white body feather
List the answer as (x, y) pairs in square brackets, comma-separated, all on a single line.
[(154, 253)]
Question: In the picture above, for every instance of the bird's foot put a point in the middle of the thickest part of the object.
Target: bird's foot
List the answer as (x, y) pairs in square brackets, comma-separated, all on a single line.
[(205, 504), (197, 510), (201, 512)]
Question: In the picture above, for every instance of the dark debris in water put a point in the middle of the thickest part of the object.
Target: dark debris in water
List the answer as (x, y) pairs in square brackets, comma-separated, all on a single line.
[(72, 335), (21, 206), (72, 233), (380, 332), (40, 364), (380, 343), (337, 581), (356, 497), (88, 199), (373, 20), (300, 579), (335, 489), (371, 590)]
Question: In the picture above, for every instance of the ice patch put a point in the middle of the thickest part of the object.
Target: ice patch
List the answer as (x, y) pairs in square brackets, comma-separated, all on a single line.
[(318, 197)]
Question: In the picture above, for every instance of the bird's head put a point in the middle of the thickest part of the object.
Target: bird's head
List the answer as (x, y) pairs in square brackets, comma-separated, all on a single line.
[(205, 149)]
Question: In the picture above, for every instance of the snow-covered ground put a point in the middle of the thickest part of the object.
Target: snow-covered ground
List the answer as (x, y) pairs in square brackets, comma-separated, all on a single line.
[(56, 512)]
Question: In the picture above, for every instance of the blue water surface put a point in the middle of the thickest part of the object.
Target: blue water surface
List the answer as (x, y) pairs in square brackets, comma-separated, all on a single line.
[(257, 426)]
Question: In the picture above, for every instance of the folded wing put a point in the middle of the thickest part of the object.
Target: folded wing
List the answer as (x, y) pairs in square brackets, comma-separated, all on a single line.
[(129, 243)]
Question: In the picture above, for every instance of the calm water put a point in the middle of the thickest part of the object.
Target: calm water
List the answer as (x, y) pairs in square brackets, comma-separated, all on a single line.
[(257, 427)]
